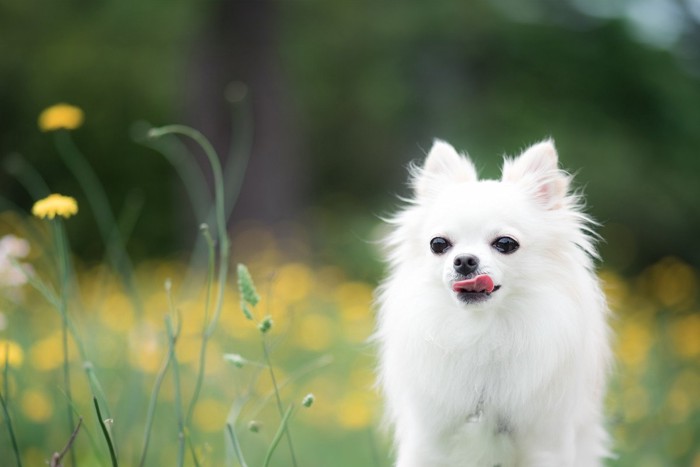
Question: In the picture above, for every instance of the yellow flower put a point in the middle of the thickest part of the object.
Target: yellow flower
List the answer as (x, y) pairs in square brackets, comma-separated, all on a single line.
[(53, 205), (60, 116)]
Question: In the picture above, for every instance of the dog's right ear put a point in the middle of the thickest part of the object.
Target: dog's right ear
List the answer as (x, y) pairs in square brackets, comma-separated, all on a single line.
[(442, 166)]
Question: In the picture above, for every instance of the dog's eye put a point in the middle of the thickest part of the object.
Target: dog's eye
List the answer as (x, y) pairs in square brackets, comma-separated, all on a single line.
[(439, 245), (505, 245)]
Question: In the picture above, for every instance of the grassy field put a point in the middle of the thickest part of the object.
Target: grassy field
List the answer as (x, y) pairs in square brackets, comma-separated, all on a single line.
[(199, 366)]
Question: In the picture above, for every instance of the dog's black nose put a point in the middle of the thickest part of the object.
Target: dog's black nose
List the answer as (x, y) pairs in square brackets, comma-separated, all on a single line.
[(466, 264)]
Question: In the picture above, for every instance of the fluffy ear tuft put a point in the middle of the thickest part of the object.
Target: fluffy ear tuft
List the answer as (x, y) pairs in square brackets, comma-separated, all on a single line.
[(537, 169), (442, 165)]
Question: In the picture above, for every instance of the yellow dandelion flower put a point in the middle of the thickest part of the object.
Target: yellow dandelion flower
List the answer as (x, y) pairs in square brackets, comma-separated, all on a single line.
[(54, 205), (61, 116)]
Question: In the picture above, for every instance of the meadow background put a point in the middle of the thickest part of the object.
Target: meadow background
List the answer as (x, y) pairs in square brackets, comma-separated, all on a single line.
[(315, 108)]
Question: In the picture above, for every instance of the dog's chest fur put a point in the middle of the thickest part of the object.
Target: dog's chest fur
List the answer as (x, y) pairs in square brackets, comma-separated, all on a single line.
[(478, 411)]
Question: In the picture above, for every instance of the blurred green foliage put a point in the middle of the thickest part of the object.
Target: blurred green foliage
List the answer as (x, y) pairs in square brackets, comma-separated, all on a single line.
[(370, 86), (112, 60), (378, 83)]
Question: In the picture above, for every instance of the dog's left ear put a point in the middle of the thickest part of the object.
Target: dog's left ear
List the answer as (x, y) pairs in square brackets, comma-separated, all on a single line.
[(538, 171)]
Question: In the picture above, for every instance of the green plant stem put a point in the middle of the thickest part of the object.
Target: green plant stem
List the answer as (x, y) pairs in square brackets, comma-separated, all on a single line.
[(223, 247), (88, 433), (129, 215), (188, 170), (195, 183), (106, 222), (150, 413), (55, 301), (280, 432), (219, 206), (112, 453), (59, 302), (193, 452), (59, 237), (278, 399), (11, 430), (173, 334), (27, 175), (62, 249), (236, 445), (216, 170), (314, 365), (6, 410), (66, 382), (205, 335), (239, 152), (6, 371)]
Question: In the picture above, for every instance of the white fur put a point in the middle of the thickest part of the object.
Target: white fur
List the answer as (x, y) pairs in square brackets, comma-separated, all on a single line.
[(517, 380)]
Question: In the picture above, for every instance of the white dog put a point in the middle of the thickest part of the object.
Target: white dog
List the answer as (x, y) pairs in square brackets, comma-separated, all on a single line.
[(494, 347)]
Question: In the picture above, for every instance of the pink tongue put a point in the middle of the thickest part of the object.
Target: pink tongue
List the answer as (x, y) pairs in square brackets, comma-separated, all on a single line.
[(482, 283)]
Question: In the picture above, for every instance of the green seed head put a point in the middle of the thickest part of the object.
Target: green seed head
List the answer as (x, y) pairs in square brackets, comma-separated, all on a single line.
[(265, 325), (246, 287), (235, 359), (254, 426), (308, 400)]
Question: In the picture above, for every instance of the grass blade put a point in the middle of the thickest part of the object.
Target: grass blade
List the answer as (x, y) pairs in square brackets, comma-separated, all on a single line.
[(13, 438), (112, 454), (223, 244), (278, 436), (86, 430), (64, 277), (102, 211), (173, 334), (205, 333), (275, 386), (172, 341), (236, 445)]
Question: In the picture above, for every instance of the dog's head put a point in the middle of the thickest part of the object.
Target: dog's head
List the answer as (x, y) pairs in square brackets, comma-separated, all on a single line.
[(482, 240)]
